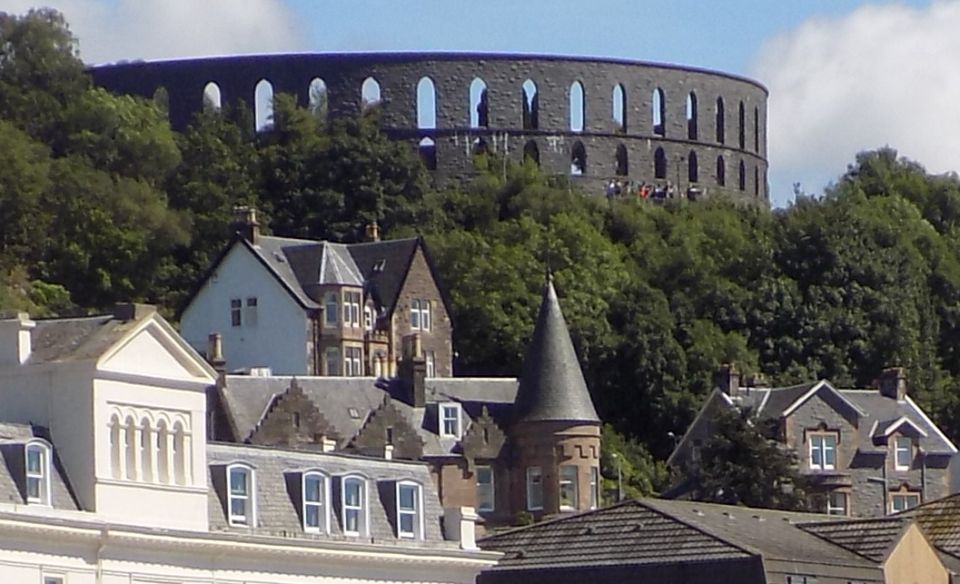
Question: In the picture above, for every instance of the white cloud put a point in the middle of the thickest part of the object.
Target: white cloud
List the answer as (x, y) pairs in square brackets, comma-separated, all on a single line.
[(111, 30), (881, 75)]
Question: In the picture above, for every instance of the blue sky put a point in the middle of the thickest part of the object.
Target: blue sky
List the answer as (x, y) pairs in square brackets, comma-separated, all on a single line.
[(843, 75)]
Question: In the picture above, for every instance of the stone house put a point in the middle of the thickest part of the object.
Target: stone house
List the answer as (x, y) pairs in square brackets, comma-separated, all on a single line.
[(864, 452), (306, 307), (109, 477)]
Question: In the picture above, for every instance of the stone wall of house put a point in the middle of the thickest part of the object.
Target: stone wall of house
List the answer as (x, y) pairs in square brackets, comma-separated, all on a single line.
[(420, 284)]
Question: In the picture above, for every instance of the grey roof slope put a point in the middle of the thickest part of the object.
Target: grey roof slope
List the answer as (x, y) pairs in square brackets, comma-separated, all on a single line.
[(346, 402), (871, 538), (552, 385), (13, 487), (74, 339), (273, 252), (384, 264), (628, 533), (940, 521), (277, 506)]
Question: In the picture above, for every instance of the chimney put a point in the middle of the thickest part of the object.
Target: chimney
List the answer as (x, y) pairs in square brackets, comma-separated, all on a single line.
[(15, 338), (727, 379), (892, 383), (215, 352), (372, 232), (127, 311), (413, 372), (327, 444), (460, 525), (245, 223), (388, 451)]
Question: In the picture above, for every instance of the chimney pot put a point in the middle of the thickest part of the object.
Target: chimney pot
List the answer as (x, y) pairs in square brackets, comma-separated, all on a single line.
[(245, 223), (413, 371), (215, 352), (372, 232), (892, 383), (727, 378), (460, 525), (127, 311)]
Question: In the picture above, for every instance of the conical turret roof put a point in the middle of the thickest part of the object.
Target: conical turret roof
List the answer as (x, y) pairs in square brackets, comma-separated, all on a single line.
[(552, 387)]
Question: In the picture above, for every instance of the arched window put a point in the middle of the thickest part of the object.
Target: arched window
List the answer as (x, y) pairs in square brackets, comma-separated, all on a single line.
[(147, 452), (578, 159), (742, 126), (369, 94), (409, 510), (353, 506), (531, 152), (756, 129), (163, 452), (576, 107), (263, 99), (479, 106), (316, 493), (116, 447), (742, 176), (319, 101), (37, 456), (660, 164), (623, 166), (181, 455), (692, 132), (130, 446), (721, 122), (241, 492), (619, 109), (721, 172), (693, 169), (428, 153), (659, 111), (426, 104), (212, 100), (531, 106)]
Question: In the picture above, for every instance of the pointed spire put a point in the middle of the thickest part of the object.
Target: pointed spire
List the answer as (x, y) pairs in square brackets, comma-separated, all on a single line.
[(552, 385)]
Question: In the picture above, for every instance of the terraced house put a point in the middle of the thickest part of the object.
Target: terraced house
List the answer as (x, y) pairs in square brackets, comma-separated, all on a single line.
[(864, 452)]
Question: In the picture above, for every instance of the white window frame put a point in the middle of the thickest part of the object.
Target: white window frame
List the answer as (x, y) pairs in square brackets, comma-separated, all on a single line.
[(249, 516), (822, 450), (456, 419), (420, 314), (250, 311), (236, 312), (566, 482), (904, 497), (351, 309), (332, 357), (367, 318), (360, 508), (594, 487), (841, 509), (534, 488), (41, 477), (323, 514), (352, 361), (902, 445), (331, 309), (416, 513), (486, 489), (431, 359)]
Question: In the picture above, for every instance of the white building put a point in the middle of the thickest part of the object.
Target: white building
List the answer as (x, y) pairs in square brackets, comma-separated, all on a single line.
[(108, 477)]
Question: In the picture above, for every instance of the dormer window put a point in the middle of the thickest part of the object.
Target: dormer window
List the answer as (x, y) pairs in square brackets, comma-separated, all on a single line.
[(420, 314), (903, 452), (409, 505), (450, 426), (315, 516), (353, 505), (823, 451), (241, 494), (38, 473)]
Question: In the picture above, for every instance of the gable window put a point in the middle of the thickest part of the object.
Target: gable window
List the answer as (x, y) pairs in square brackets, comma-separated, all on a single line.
[(534, 488), (568, 488), (314, 503), (236, 306), (420, 314), (903, 500), (823, 451), (431, 358), (486, 497), (351, 309), (353, 505), (241, 495), (594, 487), (903, 452), (333, 361), (408, 511), (38, 473), (250, 312), (837, 503), (353, 361), (331, 308), (450, 420)]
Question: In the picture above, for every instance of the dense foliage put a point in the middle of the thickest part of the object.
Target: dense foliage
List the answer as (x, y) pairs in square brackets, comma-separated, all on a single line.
[(101, 201)]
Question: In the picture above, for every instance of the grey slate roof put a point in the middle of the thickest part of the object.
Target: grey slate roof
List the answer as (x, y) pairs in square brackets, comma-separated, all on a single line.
[(346, 402), (75, 339), (871, 538), (13, 483), (277, 504), (628, 533), (940, 521), (384, 264), (552, 385)]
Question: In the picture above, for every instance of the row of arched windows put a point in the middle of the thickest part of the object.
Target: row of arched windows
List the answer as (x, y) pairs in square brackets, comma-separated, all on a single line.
[(479, 110), (148, 449)]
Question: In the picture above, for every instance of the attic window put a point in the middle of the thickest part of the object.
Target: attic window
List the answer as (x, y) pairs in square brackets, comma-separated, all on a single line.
[(380, 265), (450, 416), (409, 517), (38, 473), (315, 495), (353, 413), (241, 491), (353, 505)]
